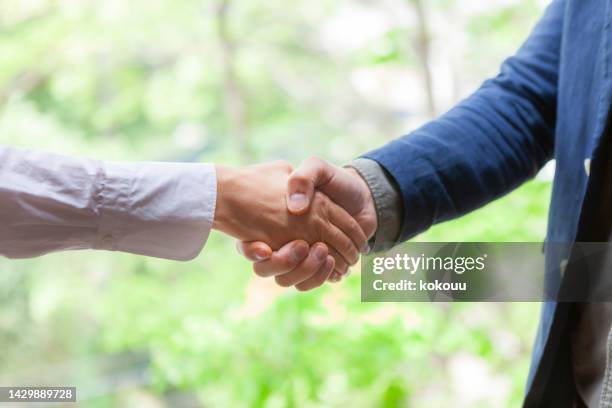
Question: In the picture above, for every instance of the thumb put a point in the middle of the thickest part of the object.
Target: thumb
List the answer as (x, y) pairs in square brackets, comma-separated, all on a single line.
[(254, 251), (311, 175)]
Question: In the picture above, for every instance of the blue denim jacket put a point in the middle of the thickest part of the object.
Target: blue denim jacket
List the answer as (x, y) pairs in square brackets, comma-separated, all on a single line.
[(550, 100)]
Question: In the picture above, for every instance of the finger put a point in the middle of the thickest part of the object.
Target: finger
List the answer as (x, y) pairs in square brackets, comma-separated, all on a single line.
[(254, 251), (312, 174), (347, 224), (334, 277), (343, 273), (319, 278), (284, 260), (337, 240), (341, 266), (337, 276), (316, 258)]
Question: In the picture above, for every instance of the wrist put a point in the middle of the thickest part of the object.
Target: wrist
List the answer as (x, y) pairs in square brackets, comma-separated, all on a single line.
[(388, 202), (226, 179), (367, 200)]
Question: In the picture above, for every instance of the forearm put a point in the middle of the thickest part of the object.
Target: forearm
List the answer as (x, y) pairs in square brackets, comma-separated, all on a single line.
[(51, 203), (236, 206)]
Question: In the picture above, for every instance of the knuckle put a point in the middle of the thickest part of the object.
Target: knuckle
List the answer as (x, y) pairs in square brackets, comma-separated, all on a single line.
[(307, 269), (283, 262), (287, 263), (299, 178), (314, 160)]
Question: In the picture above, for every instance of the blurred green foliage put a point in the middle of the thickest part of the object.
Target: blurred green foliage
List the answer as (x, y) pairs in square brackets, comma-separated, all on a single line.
[(238, 82)]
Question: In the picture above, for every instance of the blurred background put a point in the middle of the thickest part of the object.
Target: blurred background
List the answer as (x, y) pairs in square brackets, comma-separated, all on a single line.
[(239, 82)]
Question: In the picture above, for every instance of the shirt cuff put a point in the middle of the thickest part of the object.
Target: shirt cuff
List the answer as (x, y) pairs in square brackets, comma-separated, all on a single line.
[(387, 200), (164, 210)]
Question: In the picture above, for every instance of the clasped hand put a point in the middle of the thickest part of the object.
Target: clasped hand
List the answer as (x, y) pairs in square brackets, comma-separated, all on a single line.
[(302, 227)]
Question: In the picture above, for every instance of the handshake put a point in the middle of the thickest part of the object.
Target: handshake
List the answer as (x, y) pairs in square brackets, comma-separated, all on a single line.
[(303, 227)]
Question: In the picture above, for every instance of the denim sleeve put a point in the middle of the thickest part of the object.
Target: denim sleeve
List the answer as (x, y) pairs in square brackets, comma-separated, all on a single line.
[(487, 145)]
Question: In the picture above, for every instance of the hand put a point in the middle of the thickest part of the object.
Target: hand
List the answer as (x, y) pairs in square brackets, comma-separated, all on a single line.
[(344, 186), (251, 206), (293, 265)]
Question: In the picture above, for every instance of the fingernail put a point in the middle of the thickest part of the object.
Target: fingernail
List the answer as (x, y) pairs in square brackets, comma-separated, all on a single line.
[(365, 249), (298, 201), (299, 252), (320, 253), (260, 255)]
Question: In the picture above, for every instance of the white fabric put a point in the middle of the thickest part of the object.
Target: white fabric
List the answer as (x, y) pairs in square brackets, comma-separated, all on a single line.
[(52, 203)]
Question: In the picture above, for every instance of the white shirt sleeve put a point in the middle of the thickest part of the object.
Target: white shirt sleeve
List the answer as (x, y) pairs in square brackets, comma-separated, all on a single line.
[(53, 203)]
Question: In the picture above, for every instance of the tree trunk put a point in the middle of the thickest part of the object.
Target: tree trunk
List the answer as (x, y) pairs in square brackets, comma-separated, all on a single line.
[(423, 46), (235, 101)]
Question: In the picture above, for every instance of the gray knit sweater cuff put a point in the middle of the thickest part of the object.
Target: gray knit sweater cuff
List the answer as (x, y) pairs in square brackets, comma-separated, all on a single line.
[(387, 200)]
